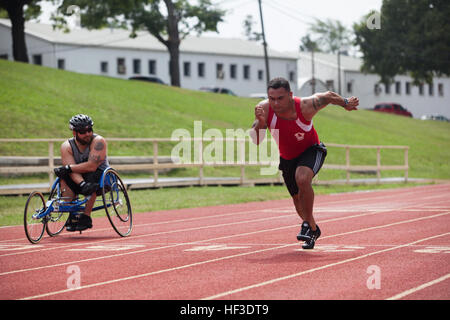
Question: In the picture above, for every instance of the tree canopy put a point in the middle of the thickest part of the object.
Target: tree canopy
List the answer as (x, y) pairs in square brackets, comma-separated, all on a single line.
[(170, 21), (413, 38)]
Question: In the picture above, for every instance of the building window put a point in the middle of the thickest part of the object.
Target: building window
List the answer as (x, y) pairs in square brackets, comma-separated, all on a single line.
[(349, 87), (421, 89), (137, 66), (201, 69), (398, 87), (387, 88), (61, 64), (247, 72), (260, 74), (408, 87), (152, 66), (377, 89), (37, 59), (104, 67), (233, 71), (220, 74), (292, 76), (441, 90), (187, 69), (121, 69), (330, 85), (431, 89)]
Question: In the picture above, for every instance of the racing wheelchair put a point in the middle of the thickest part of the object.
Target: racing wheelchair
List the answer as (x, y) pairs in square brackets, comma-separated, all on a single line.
[(51, 215)]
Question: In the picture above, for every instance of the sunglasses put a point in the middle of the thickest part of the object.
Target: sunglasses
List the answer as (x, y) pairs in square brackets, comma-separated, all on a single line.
[(83, 131)]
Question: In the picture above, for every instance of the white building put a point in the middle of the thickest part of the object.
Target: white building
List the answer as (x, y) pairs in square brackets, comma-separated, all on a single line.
[(204, 61), (419, 100)]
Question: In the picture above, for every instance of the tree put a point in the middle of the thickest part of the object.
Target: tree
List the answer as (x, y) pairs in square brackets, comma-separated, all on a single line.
[(332, 35), (170, 25), (248, 29), (414, 39), (308, 45), (18, 12)]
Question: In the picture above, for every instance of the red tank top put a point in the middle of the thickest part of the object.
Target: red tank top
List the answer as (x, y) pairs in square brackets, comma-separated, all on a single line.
[(292, 136)]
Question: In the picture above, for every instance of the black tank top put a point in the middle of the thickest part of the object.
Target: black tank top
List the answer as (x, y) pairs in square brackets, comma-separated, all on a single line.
[(81, 157)]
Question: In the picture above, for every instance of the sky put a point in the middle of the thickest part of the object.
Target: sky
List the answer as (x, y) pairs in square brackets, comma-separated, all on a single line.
[(285, 21)]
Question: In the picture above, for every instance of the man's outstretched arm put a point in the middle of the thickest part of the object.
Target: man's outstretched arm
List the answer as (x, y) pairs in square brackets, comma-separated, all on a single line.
[(315, 103)]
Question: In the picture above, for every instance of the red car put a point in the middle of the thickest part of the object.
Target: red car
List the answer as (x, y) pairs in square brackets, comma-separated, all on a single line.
[(394, 108)]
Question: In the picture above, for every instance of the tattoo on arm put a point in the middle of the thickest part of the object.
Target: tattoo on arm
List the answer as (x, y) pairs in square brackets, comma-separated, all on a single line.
[(95, 158), (99, 146), (319, 102)]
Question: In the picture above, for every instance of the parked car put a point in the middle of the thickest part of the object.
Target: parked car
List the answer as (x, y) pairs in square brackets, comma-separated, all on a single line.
[(149, 79), (218, 90), (393, 108), (437, 117)]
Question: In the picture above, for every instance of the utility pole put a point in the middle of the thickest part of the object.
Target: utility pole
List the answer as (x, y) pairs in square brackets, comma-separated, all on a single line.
[(313, 79), (266, 58)]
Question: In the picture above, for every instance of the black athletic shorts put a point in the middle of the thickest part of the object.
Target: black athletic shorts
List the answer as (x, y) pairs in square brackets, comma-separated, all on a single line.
[(313, 158), (88, 177)]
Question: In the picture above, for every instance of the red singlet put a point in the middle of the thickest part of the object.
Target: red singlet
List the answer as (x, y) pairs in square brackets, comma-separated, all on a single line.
[(292, 136)]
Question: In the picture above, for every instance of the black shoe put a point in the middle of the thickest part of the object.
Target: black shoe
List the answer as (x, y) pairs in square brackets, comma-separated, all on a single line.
[(305, 232), (84, 223), (314, 236), (71, 223)]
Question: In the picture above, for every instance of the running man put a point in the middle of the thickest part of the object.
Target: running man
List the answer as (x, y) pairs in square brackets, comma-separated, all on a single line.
[(84, 159), (289, 120)]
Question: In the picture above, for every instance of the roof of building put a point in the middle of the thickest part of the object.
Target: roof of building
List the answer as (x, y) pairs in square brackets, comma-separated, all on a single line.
[(120, 38), (348, 63)]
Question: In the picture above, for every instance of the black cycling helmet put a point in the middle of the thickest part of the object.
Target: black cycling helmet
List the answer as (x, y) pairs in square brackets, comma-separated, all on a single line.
[(80, 121)]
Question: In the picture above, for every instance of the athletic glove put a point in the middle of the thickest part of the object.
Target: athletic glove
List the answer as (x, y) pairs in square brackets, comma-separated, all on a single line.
[(63, 171), (88, 188)]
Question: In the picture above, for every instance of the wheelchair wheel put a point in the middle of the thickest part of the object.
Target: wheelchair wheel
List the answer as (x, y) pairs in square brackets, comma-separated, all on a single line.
[(34, 228), (56, 220), (116, 202)]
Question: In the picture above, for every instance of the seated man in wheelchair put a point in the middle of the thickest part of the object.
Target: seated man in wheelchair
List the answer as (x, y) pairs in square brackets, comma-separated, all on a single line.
[(84, 157)]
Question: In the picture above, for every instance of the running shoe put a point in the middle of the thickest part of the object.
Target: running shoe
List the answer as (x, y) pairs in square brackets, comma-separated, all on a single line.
[(305, 232), (309, 244), (84, 223)]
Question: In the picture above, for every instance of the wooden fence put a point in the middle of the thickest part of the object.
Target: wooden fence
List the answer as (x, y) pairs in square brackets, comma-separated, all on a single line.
[(155, 166)]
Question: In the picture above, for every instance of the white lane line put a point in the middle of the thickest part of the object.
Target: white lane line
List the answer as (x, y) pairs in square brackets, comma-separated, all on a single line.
[(239, 255), (257, 285), (193, 242), (418, 288), (398, 192)]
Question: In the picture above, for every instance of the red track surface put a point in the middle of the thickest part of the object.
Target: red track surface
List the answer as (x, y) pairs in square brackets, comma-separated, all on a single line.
[(391, 244)]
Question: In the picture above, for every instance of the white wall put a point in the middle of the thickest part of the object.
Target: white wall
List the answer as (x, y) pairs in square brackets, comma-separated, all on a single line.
[(88, 59), (417, 104)]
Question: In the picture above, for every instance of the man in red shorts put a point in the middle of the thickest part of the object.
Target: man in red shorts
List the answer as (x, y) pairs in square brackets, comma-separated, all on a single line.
[(289, 120)]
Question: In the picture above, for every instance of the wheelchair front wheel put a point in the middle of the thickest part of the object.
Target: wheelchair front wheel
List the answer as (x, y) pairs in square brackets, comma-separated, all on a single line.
[(56, 220), (117, 203), (34, 227)]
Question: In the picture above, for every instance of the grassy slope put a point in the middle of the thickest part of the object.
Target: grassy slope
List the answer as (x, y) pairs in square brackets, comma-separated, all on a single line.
[(36, 102)]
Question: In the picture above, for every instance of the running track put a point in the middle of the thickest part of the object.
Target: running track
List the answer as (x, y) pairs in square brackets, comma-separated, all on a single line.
[(391, 244)]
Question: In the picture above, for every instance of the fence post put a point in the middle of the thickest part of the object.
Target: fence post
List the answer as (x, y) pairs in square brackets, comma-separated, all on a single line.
[(406, 164), (155, 162), (347, 162), (378, 165), (51, 163), (242, 160)]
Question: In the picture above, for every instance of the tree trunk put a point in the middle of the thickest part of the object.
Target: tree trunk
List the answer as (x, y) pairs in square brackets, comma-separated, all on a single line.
[(173, 44), (15, 12)]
